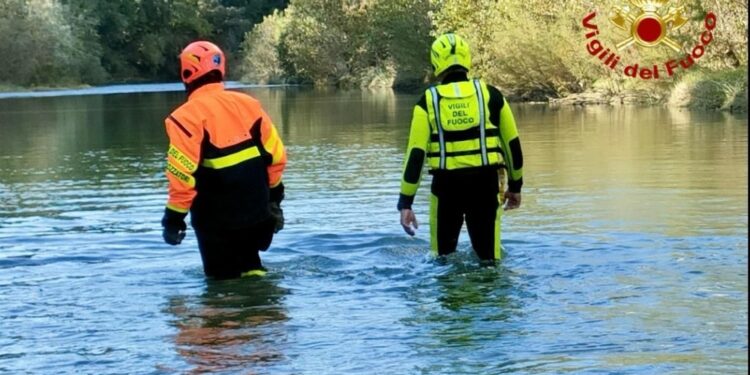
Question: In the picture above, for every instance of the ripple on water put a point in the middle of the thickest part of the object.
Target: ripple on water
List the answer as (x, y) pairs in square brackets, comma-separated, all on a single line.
[(629, 254)]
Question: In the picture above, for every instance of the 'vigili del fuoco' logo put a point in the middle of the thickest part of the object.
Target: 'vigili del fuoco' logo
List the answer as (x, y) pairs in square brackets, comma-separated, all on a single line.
[(649, 24)]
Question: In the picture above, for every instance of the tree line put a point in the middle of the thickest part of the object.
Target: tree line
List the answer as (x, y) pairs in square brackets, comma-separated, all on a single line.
[(69, 42), (533, 48)]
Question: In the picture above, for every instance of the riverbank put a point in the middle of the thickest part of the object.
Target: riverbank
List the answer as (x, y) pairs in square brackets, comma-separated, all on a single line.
[(719, 91), (629, 97), (16, 92), (10, 88)]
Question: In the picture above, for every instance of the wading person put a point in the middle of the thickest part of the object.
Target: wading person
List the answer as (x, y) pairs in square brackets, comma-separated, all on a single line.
[(466, 131), (224, 166)]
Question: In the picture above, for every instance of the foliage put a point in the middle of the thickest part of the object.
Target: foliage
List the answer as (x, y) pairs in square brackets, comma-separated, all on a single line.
[(142, 38), (312, 49), (41, 46), (232, 19), (261, 62), (536, 48), (350, 43), (532, 49), (729, 46), (706, 89), (65, 42), (401, 28)]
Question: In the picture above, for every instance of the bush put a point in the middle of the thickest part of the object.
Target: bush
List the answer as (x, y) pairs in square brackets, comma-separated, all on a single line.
[(43, 47), (261, 63), (350, 44), (707, 90)]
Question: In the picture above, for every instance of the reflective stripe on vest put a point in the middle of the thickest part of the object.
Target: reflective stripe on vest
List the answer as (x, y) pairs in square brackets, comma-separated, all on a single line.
[(482, 137), (436, 110)]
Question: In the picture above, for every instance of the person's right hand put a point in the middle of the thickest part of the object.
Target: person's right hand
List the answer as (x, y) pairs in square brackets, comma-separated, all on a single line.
[(512, 200), (278, 216), (408, 220)]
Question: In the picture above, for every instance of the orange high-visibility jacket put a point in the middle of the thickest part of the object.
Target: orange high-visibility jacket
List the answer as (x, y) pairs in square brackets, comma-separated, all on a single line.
[(224, 156)]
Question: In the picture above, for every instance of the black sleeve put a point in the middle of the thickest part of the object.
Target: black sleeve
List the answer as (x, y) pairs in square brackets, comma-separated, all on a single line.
[(413, 168), (414, 164), (277, 193), (404, 201), (173, 218), (496, 104), (422, 102)]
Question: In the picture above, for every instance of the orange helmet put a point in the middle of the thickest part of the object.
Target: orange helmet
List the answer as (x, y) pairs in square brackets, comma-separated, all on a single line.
[(199, 58)]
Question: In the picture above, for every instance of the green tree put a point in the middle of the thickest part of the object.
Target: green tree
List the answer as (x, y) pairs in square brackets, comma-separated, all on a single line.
[(232, 19), (260, 49), (401, 29), (140, 39), (42, 45), (345, 43)]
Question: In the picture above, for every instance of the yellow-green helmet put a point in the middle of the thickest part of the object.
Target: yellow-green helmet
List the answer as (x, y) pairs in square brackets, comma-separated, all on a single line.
[(449, 50)]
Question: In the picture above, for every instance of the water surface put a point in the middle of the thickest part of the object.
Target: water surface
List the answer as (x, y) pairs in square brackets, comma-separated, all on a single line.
[(628, 255)]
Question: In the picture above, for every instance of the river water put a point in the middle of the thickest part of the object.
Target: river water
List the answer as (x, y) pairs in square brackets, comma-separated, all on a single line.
[(628, 255)]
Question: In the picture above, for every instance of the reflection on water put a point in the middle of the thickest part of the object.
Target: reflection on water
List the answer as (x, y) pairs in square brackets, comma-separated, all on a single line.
[(233, 325), (629, 254), (464, 312), (470, 287)]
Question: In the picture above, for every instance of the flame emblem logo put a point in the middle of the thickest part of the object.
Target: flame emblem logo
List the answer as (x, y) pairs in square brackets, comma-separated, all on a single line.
[(647, 27)]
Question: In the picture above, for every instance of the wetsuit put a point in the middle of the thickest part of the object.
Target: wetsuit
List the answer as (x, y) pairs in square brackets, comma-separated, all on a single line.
[(466, 131), (225, 163)]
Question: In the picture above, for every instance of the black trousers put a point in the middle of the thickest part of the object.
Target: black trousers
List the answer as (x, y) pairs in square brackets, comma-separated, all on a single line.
[(473, 195), (227, 253)]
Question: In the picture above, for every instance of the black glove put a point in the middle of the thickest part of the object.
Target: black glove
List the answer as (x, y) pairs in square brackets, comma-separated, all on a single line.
[(278, 216), (275, 198), (174, 226)]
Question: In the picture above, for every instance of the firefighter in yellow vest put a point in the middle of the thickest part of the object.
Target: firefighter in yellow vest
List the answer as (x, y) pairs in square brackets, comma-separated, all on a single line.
[(466, 131), (224, 166)]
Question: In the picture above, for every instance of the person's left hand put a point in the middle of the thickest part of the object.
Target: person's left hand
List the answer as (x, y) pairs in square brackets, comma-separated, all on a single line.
[(172, 235), (174, 227)]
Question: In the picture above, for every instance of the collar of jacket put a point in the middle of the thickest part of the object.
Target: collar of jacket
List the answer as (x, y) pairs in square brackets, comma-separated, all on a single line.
[(457, 76), (207, 88)]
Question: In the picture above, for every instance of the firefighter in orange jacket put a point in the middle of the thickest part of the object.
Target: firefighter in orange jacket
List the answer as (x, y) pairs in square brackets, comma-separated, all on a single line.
[(224, 166)]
